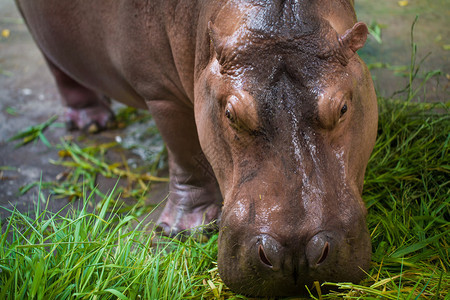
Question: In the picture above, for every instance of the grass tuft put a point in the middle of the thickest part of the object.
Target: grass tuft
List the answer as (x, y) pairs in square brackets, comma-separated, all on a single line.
[(103, 255)]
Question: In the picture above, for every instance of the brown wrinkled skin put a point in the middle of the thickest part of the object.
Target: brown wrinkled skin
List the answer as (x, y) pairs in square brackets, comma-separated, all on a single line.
[(264, 106)]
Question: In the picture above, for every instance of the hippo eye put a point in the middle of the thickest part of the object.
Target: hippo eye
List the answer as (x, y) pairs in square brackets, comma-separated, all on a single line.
[(229, 112), (343, 109)]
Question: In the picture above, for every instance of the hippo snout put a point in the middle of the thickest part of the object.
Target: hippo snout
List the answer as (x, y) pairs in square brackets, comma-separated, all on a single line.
[(270, 252), (265, 265)]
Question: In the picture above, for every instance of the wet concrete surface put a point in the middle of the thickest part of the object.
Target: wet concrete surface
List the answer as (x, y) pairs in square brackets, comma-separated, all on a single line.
[(28, 95)]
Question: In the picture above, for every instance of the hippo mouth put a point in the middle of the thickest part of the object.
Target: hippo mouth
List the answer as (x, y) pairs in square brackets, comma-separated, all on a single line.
[(264, 266)]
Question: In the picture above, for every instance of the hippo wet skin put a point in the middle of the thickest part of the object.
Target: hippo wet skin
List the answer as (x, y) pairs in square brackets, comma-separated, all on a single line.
[(268, 114)]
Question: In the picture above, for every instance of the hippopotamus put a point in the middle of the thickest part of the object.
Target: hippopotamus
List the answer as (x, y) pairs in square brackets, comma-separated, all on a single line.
[(268, 114)]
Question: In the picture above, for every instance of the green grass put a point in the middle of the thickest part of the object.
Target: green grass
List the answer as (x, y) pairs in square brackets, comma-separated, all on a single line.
[(99, 255), (105, 255), (33, 133)]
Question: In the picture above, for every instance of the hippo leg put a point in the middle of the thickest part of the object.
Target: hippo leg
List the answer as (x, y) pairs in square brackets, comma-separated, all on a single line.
[(194, 195), (86, 109)]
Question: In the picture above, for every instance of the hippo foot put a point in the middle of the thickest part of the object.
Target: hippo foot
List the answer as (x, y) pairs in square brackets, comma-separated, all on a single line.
[(188, 219), (90, 119)]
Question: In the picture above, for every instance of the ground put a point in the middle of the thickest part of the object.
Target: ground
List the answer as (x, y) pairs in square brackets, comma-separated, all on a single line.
[(28, 95)]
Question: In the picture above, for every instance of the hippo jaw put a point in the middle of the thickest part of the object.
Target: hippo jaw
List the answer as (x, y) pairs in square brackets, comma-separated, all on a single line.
[(276, 256), (254, 273), (265, 270)]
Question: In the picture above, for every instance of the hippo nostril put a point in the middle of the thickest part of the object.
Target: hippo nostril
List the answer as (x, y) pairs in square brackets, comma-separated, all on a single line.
[(263, 256), (324, 253), (318, 250)]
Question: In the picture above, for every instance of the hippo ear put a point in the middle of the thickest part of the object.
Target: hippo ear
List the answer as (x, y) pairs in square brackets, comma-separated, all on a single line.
[(354, 38), (217, 40)]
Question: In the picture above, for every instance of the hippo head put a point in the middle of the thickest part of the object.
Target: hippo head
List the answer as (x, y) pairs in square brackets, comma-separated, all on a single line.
[(287, 117)]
